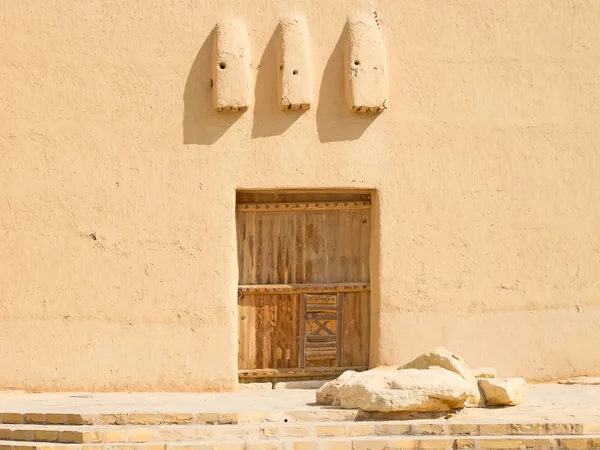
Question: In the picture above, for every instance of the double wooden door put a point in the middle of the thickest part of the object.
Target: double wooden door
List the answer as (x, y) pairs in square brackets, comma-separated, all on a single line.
[(304, 292)]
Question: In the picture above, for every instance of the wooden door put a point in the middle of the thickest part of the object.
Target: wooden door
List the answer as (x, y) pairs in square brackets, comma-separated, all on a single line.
[(304, 292)]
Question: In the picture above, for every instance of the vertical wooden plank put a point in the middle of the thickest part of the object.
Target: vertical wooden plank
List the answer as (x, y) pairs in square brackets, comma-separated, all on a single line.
[(365, 245), (348, 327), (302, 339), (288, 246), (299, 274), (310, 243), (294, 331), (365, 314), (241, 233), (315, 255), (355, 334), (265, 329), (349, 245), (253, 245), (287, 343), (259, 250), (242, 338), (269, 250), (247, 333), (332, 247), (320, 264), (277, 250), (340, 328), (276, 359), (259, 329), (246, 247), (271, 332)]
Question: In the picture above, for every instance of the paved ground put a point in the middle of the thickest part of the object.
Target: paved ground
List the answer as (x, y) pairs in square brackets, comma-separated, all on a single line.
[(544, 402)]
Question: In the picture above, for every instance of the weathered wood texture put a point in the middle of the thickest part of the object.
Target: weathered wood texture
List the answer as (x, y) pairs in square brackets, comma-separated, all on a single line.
[(300, 196), (269, 331), (303, 282), (302, 206), (322, 288), (305, 373), (303, 247), (355, 318)]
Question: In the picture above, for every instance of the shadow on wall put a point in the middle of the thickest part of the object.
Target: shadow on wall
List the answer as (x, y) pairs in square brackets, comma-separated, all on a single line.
[(335, 121), (201, 123), (269, 120)]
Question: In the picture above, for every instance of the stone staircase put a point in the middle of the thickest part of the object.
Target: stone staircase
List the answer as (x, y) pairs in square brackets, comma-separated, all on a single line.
[(323, 429)]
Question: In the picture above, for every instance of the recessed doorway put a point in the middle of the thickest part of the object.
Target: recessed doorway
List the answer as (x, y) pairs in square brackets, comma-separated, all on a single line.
[(304, 283)]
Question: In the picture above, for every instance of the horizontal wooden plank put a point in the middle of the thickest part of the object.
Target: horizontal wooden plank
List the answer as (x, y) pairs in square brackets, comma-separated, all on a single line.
[(308, 372), (323, 345), (329, 358), (321, 299), (262, 289), (320, 354), (303, 206), (313, 338), (322, 315), (315, 309)]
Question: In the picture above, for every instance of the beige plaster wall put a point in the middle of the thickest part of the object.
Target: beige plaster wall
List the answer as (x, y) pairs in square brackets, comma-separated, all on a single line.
[(486, 165)]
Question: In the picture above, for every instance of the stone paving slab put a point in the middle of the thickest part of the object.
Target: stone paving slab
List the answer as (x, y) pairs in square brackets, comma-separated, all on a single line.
[(344, 443), (543, 403), (158, 433)]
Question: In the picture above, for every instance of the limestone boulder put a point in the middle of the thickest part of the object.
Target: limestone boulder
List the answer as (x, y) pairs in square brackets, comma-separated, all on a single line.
[(503, 391), (484, 372), (329, 393), (308, 384), (582, 381), (396, 367), (411, 390), (444, 358)]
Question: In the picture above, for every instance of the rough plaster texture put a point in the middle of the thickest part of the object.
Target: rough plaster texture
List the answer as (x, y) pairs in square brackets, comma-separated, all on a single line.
[(366, 65), (295, 80), (118, 177)]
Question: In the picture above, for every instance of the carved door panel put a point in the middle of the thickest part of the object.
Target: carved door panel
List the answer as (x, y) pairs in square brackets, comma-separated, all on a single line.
[(320, 331)]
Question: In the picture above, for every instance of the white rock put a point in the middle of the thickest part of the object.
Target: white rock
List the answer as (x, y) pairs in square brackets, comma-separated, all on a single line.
[(242, 387), (503, 391), (582, 381), (405, 390), (329, 393), (448, 360), (396, 367), (309, 384), (484, 372)]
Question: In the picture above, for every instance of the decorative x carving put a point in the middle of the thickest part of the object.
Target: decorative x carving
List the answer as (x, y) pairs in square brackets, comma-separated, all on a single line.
[(322, 326)]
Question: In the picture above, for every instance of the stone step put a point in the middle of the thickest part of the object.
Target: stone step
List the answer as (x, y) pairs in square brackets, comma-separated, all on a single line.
[(87, 434), (216, 418), (340, 443)]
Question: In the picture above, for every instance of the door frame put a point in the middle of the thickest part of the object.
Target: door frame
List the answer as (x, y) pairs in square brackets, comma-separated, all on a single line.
[(303, 373)]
